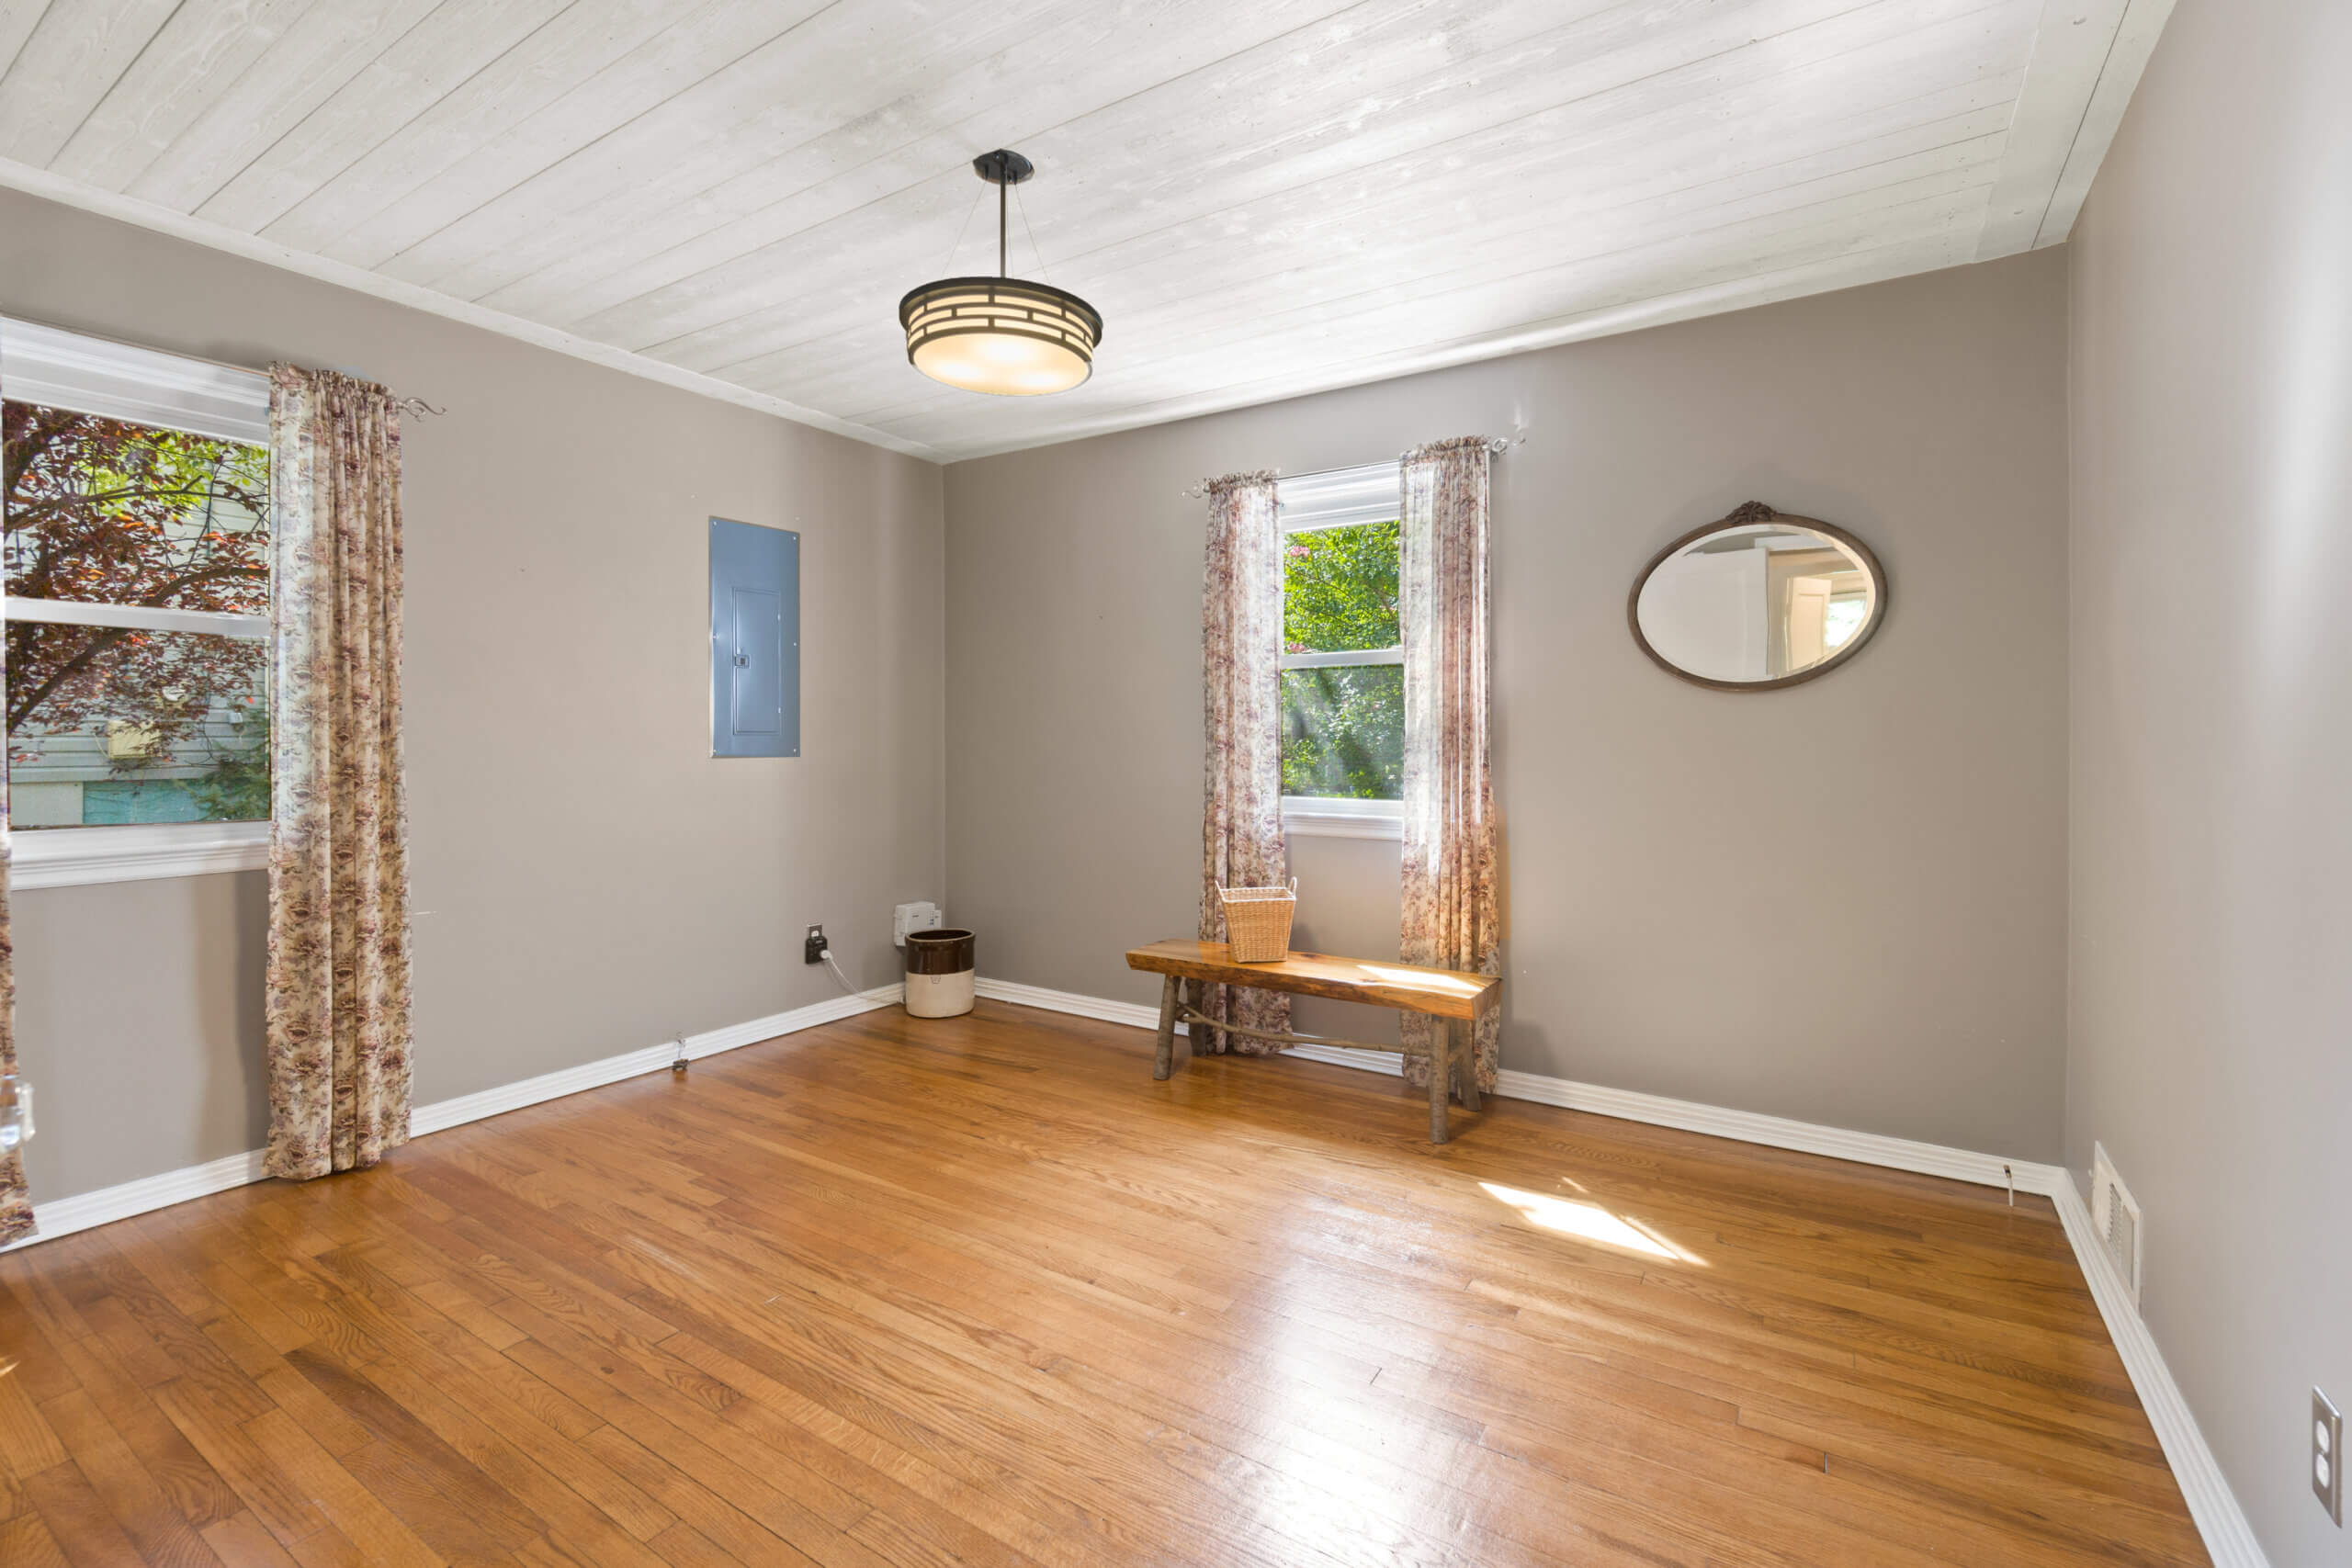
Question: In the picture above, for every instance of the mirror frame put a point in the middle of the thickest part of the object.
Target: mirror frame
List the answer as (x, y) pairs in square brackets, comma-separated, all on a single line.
[(1749, 514)]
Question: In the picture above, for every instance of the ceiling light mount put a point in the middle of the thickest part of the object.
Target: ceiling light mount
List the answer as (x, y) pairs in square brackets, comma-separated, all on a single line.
[(1003, 167), (1005, 336)]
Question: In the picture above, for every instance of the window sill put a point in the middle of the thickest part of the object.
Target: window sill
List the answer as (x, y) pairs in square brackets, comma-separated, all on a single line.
[(72, 857), (1328, 818)]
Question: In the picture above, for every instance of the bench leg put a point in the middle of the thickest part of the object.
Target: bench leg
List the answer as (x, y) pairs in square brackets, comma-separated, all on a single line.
[(1440, 1062), (1465, 1061), (1204, 1039), (1163, 1055)]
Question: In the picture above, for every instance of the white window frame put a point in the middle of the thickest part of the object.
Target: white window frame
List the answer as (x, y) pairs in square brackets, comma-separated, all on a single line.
[(1340, 498), (60, 369)]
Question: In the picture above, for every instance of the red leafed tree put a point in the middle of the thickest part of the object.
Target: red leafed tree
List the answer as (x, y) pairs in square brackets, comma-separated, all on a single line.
[(102, 510)]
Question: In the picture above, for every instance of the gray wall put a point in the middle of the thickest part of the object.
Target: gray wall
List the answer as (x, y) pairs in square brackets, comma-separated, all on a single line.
[(2211, 941), (586, 880), (1843, 902)]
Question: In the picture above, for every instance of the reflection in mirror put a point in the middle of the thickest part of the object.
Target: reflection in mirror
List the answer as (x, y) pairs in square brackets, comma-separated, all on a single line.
[(1761, 599)]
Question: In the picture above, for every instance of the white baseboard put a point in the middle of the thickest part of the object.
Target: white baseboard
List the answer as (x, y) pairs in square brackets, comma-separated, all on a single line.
[(108, 1204), (1781, 1133), (1389, 1062), (64, 1216), (1135, 1015), (734, 1036), (2229, 1536), (1747, 1127), (442, 1115), (446, 1113)]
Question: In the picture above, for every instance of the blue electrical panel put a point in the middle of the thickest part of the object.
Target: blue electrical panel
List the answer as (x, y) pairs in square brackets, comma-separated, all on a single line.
[(754, 640)]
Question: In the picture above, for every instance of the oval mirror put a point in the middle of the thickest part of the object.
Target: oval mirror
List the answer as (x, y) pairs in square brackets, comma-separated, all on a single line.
[(1759, 600)]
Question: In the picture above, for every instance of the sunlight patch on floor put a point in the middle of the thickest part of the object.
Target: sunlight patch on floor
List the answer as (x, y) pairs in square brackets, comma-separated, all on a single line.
[(1586, 1222)]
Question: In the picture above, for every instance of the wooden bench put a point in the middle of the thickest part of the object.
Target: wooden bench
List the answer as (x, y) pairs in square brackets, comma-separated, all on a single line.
[(1456, 1000)]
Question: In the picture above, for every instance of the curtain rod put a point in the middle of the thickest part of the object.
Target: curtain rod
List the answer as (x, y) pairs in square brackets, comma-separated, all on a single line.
[(1495, 446), (408, 404)]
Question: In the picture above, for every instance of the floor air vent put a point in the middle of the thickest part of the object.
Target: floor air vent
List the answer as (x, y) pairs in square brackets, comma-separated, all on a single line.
[(2116, 1216)]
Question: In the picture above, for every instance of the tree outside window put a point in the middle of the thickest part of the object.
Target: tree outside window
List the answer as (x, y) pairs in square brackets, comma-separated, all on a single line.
[(1343, 677), (138, 578)]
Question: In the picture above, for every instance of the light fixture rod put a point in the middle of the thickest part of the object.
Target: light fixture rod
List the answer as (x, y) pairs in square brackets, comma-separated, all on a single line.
[(1002, 168), (1001, 334)]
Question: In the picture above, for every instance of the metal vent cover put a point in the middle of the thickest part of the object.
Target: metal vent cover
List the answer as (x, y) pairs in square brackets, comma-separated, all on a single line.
[(2115, 1215)]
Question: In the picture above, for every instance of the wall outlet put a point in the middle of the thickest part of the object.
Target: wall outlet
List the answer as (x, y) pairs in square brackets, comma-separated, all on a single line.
[(813, 951), (2327, 1457), (923, 916)]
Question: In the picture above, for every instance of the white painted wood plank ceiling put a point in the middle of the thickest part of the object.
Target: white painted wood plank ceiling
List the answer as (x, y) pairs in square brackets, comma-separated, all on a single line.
[(1263, 197)]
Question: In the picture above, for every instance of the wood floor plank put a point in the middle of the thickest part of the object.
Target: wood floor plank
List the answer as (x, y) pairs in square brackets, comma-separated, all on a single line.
[(240, 1541), (193, 1488), (25, 1543), (27, 1447), (357, 1512), (541, 1469), (29, 1357), (78, 1520), (896, 1293), (712, 1516), (440, 1493), (134, 1498), (278, 1501)]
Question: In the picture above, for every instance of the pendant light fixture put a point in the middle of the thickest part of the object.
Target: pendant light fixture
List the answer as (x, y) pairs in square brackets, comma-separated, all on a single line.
[(1001, 335)]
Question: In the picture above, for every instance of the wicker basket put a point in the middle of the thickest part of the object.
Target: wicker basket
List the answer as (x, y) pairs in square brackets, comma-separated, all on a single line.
[(1257, 921)]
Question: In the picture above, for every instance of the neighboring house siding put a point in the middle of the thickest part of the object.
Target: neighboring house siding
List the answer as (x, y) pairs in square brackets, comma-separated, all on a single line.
[(87, 776)]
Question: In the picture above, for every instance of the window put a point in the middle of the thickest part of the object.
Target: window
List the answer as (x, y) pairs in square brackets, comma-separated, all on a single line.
[(136, 549), (1343, 665)]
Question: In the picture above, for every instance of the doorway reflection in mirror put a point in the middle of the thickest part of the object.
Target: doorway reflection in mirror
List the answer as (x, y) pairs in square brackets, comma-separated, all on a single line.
[(1759, 600)]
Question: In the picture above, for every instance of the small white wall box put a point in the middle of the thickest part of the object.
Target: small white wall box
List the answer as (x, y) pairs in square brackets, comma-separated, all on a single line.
[(939, 974), (923, 916)]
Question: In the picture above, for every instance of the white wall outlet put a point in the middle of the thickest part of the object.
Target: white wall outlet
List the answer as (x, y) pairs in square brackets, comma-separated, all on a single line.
[(921, 917), (2327, 1457)]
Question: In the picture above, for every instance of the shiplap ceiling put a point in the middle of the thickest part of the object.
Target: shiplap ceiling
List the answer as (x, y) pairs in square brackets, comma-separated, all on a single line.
[(1263, 197)]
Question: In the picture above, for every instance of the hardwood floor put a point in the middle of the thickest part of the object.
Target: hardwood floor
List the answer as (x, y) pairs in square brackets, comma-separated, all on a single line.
[(978, 1291)]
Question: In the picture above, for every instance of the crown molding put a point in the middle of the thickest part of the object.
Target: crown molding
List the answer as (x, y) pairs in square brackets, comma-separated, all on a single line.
[(1882, 264), (343, 275)]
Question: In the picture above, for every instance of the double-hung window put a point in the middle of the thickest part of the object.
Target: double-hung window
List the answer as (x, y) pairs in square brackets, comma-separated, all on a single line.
[(136, 546), (1343, 661)]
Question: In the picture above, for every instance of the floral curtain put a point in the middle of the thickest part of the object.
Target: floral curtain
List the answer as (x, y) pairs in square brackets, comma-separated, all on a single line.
[(338, 986), (1241, 811), (15, 1198), (1451, 915)]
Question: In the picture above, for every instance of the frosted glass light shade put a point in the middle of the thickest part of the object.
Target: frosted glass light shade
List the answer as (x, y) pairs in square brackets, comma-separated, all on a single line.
[(1003, 335)]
